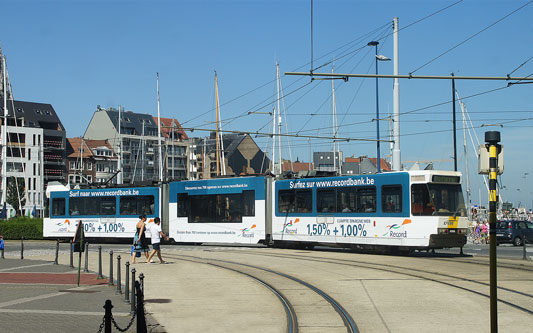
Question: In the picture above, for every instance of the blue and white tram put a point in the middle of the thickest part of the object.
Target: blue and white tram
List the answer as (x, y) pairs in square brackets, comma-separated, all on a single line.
[(223, 210), (395, 210), (105, 213), (401, 210)]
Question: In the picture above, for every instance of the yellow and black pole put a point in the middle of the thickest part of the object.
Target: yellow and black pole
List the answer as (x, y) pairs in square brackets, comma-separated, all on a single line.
[(492, 138)]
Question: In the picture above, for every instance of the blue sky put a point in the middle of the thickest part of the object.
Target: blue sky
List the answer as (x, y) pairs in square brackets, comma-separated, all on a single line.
[(76, 55)]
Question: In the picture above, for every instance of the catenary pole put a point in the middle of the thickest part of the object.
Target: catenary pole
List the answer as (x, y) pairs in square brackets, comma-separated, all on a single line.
[(396, 158)]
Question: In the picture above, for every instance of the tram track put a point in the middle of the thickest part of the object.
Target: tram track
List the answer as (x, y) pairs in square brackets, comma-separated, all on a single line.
[(293, 323), (520, 267), (420, 274)]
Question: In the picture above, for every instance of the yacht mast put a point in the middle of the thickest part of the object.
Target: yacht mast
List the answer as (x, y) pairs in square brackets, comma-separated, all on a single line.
[(142, 152), (334, 122), (119, 175), (218, 129), (468, 203), (280, 163), (159, 134), (4, 131), (274, 140)]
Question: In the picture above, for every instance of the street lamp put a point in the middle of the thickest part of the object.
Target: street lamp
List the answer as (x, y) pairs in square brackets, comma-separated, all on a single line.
[(379, 57)]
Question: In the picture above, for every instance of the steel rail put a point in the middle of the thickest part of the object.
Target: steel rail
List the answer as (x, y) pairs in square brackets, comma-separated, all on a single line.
[(292, 319), (391, 270)]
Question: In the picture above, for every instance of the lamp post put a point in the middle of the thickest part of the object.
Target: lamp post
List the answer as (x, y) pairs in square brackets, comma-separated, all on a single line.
[(379, 57)]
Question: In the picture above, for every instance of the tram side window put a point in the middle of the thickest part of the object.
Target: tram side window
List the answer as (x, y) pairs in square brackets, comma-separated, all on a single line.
[(346, 200), (92, 206), (82, 206), (58, 207), (295, 201), (248, 198), (421, 205), (366, 199), (137, 205), (326, 202), (216, 208), (391, 198), (108, 206), (183, 204)]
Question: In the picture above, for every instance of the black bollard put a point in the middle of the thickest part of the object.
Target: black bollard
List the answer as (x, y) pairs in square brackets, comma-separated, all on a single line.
[(108, 316), (132, 290), (111, 283), (22, 248), (141, 279), (141, 321), (127, 284), (71, 255), (524, 240), (86, 268), (119, 282), (57, 252), (100, 276)]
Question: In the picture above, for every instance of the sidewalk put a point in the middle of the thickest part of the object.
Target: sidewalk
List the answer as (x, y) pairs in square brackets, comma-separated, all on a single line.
[(38, 296)]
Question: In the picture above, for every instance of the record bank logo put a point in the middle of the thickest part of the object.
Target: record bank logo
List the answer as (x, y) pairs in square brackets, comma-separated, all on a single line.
[(287, 227), (392, 230), (247, 232), (63, 226)]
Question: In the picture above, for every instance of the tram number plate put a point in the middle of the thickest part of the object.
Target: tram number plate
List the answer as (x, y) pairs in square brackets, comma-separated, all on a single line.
[(452, 231)]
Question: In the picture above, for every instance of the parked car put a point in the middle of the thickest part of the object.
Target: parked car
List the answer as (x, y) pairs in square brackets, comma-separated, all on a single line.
[(514, 232)]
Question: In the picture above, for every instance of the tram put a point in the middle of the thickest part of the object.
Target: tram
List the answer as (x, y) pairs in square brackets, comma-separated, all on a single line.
[(400, 211), (105, 213)]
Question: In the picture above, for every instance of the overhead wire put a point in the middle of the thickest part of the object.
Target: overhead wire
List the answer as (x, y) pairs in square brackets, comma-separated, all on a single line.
[(470, 38)]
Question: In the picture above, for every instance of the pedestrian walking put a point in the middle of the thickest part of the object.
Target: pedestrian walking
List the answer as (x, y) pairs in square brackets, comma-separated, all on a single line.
[(478, 232), (140, 242), (155, 230), (485, 232)]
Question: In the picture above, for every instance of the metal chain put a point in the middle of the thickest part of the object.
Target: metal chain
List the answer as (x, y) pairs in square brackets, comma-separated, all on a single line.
[(127, 327), (102, 325)]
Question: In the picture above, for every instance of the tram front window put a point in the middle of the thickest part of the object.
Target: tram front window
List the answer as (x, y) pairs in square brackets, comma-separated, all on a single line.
[(437, 199)]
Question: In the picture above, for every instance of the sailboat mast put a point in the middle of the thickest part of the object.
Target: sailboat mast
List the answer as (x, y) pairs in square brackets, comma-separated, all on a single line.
[(81, 162), (159, 134), (334, 121), (218, 129), (468, 203), (4, 132), (280, 163), (274, 117), (142, 152), (173, 148), (119, 175)]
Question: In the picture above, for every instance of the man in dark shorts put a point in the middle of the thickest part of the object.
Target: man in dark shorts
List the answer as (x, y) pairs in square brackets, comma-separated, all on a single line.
[(155, 230)]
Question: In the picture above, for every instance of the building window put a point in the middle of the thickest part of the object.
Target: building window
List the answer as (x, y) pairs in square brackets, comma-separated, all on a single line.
[(20, 110), (72, 165), (89, 179), (38, 111), (89, 165)]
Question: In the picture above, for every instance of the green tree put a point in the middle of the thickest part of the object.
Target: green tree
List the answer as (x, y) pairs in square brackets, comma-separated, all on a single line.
[(16, 188)]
